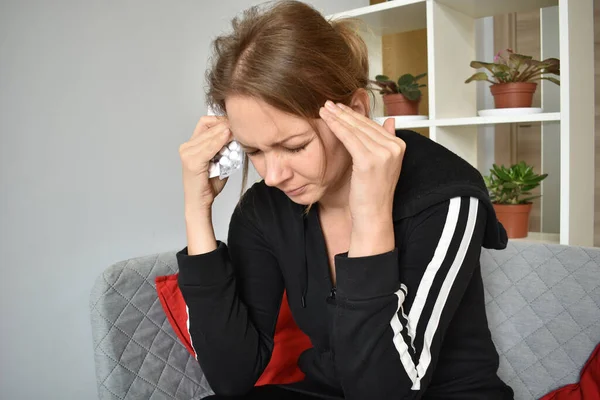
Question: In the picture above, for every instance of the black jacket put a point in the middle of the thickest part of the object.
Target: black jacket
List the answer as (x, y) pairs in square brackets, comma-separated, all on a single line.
[(407, 324)]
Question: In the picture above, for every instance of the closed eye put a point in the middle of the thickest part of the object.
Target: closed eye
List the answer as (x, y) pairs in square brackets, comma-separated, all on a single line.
[(294, 150), (297, 149)]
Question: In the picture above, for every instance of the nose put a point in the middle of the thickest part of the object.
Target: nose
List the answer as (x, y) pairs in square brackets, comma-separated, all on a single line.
[(276, 170)]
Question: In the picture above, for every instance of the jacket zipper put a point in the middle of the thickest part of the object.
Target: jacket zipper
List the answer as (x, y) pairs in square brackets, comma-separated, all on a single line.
[(331, 297), (332, 301)]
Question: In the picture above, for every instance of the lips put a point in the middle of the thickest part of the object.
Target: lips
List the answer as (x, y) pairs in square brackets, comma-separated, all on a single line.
[(294, 191)]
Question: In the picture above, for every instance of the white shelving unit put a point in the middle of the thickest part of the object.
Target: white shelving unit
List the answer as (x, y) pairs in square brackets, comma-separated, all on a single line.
[(539, 237), (453, 119)]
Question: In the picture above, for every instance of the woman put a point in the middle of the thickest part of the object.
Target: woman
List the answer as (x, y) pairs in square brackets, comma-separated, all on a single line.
[(375, 234)]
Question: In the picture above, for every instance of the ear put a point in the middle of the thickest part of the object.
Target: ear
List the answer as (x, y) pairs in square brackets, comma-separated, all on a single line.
[(360, 102)]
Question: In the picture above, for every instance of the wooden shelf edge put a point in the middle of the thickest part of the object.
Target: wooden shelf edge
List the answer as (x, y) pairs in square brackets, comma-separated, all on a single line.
[(361, 11), (551, 116), (400, 124), (539, 237), (466, 121)]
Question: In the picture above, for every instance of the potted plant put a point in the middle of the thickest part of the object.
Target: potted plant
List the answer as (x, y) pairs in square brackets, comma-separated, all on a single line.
[(513, 77), (400, 97), (507, 188)]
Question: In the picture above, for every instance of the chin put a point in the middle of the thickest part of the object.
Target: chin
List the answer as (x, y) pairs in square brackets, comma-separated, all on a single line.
[(309, 195)]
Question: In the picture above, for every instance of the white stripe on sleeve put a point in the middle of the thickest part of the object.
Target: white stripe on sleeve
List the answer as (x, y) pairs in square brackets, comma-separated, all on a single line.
[(416, 373)]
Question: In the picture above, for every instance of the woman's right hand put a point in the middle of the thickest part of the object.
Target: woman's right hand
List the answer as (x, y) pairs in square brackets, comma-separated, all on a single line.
[(211, 134)]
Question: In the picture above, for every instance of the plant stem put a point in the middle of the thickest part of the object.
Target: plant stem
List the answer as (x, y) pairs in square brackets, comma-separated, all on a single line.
[(538, 75), (532, 75), (522, 76), (516, 71)]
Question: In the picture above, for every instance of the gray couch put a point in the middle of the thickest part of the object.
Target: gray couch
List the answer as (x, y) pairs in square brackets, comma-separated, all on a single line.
[(543, 305)]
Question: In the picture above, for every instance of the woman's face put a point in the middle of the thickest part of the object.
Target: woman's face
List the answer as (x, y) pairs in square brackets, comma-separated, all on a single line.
[(286, 151)]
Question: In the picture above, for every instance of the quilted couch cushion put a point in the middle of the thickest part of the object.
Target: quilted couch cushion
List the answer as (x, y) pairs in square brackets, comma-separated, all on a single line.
[(137, 354), (543, 306)]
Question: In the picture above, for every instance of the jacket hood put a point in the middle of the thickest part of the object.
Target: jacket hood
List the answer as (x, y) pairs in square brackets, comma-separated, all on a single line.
[(432, 174)]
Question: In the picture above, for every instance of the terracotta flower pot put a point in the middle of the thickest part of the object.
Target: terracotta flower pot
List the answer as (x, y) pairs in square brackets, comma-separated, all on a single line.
[(517, 94), (514, 218), (397, 104)]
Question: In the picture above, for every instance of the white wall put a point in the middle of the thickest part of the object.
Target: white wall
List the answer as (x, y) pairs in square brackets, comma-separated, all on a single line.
[(95, 99)]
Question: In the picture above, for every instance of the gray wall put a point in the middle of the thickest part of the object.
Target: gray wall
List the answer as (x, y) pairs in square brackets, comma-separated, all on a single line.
[(484, 50), (95, 99)]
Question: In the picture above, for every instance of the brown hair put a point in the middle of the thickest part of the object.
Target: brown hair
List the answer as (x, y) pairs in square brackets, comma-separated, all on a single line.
[(289, 56)]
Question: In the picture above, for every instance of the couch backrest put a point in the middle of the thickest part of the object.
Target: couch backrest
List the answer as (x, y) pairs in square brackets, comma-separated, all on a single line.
[(137, 354), (543, 305)]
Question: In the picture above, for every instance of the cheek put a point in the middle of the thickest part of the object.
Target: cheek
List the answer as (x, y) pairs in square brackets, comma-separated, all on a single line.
[(334, 149), (330, 154), (327, 136), (335, 152), (312, 161), (305, 164)]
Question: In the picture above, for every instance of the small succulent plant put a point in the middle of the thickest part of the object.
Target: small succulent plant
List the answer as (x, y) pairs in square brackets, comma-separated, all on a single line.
[(508, 185), (407, 85)]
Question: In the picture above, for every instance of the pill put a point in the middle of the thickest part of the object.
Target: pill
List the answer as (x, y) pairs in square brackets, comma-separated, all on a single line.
[(234, 145), (224, 151), (224, 161), (214, 170), (234, 156)]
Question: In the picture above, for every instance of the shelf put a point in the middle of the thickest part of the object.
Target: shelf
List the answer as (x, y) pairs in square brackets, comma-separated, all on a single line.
[(451, 41), (487, 8), (401, 124), (539, 237), (554, 116), (407, 15), (390, 17)]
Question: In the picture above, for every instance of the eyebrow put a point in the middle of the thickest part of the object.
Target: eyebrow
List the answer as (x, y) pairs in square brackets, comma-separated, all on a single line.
[(276, 143)]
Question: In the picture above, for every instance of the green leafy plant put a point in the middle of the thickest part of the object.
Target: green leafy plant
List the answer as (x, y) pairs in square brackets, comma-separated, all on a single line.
[(510, 67), (507, 185), (407, 85)]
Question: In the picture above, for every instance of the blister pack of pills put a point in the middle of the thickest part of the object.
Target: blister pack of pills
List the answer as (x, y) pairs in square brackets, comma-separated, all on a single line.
[(228, 160)]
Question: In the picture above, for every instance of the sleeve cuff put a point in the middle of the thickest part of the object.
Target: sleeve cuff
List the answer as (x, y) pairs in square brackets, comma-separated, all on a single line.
[(204, 269), (367, 277)]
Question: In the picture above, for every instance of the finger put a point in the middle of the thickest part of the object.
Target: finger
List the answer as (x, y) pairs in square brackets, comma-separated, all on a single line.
[(206, 122), (390, 126), (382, 141), (368, 127), (205, 136), (350, 140), (372, 139), (210, 148), (207, 147), (371, 127)]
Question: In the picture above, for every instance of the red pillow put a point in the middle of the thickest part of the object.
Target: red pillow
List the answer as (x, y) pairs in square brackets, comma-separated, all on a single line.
[(289, 340), (588, 387)]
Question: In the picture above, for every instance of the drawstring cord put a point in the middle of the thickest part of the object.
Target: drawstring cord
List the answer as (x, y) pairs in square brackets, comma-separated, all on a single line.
[(304, 278)]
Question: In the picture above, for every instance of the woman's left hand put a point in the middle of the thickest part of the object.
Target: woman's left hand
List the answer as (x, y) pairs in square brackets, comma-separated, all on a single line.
[(376, 163)]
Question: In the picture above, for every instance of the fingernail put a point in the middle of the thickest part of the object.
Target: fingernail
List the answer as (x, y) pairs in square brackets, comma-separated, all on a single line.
[(329, 104), (340, 105)]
